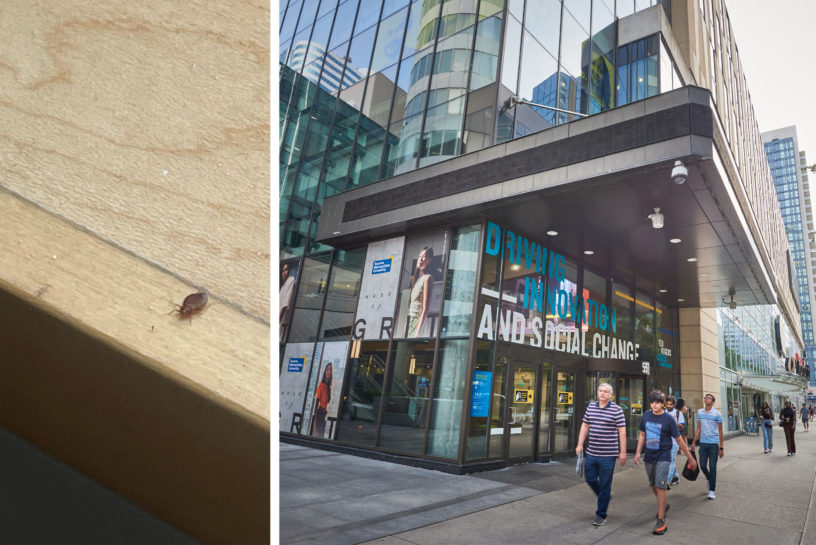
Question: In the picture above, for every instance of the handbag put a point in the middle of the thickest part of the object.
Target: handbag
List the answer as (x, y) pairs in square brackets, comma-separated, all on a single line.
[(767, 423), (687, 471)]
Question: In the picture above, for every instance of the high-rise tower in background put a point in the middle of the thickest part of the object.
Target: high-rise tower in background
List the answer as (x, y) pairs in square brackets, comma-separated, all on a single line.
[(793, 192)]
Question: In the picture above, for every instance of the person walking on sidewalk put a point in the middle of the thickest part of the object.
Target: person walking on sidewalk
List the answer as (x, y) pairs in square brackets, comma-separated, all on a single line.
[(805, 416), (674, 477), (710, 435), (657, 429), (766, 419), (606, 426), (788, 418)]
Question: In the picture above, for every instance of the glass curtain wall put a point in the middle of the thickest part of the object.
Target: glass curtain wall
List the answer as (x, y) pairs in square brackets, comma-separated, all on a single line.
[(369, 90)]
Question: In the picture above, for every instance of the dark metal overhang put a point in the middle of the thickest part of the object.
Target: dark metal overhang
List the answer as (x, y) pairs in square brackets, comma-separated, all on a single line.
[(594, 181)]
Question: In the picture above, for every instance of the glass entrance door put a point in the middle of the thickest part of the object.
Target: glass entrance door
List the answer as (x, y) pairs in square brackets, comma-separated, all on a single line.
[(521, 402), (630, 399), (564, 414)]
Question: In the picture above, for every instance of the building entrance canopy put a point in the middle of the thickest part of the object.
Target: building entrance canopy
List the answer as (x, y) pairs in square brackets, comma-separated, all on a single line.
[(595, 182), (775, 384)]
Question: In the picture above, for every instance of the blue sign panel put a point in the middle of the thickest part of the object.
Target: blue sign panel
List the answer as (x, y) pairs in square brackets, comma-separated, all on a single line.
[(381, 266), (296, 365), (480, 394)]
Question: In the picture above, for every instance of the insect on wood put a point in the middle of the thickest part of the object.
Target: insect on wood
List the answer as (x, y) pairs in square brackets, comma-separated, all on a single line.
[(192, 304)]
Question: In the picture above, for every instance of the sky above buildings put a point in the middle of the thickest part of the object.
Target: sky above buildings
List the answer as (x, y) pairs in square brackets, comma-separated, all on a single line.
[(777, 43)]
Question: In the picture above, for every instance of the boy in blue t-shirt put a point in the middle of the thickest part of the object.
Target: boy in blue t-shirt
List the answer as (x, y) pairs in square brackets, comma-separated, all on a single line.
[(657, 430)]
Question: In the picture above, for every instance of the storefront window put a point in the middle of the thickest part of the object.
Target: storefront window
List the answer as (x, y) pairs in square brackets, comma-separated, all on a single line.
[(498, 409), (311, 292), (667, 361), (562, 303), (645, 331), (622, 308), (480, 400), (522, 299), (544, 414), (358, 419), (598, 318), (404, 410), (446, 409), (460, 284), (341, 299)]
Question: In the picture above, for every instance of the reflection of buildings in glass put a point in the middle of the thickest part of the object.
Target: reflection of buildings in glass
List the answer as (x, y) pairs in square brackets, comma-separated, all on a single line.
[(439, 81), (312, 55), (377, 97)]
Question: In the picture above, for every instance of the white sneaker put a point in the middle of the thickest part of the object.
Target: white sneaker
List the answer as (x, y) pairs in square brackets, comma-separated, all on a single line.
[(711, 495)]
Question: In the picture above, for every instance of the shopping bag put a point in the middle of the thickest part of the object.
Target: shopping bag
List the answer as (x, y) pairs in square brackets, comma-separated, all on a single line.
[(688, 473)]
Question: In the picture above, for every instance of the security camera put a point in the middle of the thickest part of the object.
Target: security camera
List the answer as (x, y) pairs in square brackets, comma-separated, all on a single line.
[(731, 304), (679, 173)]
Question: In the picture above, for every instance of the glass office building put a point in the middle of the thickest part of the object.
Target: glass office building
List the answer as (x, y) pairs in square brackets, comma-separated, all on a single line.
[(472, 222), (793, 193)]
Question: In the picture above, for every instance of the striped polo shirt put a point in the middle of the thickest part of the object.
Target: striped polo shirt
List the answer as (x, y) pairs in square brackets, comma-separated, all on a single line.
[(603, 428)]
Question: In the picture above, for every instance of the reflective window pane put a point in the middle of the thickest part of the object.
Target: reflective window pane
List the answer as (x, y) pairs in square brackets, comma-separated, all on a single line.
[(343, 23), (486, 55), (539, 84), (404, 410), (358, 417), (512, 46), (580, 9), (448, 399), (389, 40), (460, 284), (341, 297), (479, 404), (544, 23), (311, 292)]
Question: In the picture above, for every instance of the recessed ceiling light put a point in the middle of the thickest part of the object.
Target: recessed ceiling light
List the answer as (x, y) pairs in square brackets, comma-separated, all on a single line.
[(663, 291), (552, 233), (675, 240), (515, 267), (691, 259), (703, 274), (588, 252), (680, 300)]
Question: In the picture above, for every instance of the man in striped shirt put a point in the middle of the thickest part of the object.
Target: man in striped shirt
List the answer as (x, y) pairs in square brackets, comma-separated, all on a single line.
[(606, 426)]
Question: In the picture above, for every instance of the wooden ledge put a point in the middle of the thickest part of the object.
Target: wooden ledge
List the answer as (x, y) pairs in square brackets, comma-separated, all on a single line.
[(172, 415)]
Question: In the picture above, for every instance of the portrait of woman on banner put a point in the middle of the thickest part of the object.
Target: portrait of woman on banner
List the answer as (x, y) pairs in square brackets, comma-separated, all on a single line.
[(421, 294)]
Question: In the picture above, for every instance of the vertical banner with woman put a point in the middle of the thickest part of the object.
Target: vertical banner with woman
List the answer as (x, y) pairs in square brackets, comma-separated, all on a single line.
[(288, 280), (421, 291), (323, 401)]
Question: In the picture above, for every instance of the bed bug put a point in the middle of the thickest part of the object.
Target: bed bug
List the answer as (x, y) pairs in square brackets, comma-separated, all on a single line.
[(192, 304)]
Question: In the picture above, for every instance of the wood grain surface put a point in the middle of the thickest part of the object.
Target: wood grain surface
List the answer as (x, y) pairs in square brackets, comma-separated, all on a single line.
[(134, 170), (146, 123)]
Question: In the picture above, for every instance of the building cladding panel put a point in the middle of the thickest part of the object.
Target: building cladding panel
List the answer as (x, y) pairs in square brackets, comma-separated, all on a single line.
[(793, 193)]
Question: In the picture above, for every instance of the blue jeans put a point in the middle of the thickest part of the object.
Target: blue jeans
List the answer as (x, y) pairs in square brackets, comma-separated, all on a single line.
[(598, 471), (709, 454), (673, 467), (767, 437)]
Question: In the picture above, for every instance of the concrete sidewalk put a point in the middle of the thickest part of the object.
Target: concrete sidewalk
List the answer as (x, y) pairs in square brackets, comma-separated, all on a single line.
[(332, 498)]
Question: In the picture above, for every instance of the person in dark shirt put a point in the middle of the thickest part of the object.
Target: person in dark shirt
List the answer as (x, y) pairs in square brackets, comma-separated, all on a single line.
[(788, 418), (657, 432)]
